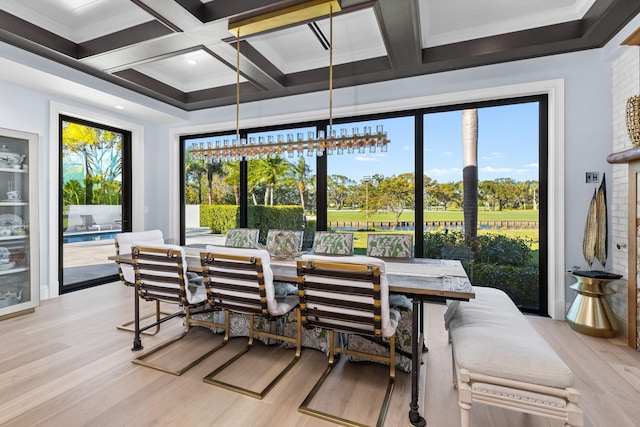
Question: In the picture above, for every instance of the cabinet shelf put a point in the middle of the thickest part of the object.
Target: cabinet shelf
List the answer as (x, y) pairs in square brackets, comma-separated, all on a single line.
[(14, 237), (13, 170), (20, 273), (12, 203), (13, 270)]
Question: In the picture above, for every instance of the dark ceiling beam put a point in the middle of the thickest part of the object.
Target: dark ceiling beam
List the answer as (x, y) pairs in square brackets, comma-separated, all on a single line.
[(266, 68), (606, 18), (400, 28), (218, 9), (503, 47), (19, 27), (157, 86), (156, 15), (198, 9), (228, 92), (139, 33)]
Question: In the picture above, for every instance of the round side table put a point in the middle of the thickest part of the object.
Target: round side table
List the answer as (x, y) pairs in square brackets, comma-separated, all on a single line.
[(590, 312)]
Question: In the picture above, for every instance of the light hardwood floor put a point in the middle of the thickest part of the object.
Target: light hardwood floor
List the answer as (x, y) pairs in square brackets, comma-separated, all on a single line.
[(67, 365)]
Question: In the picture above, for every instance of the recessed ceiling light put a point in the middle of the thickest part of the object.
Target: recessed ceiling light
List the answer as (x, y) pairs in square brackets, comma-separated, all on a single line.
[(192, 61), (119, 107)]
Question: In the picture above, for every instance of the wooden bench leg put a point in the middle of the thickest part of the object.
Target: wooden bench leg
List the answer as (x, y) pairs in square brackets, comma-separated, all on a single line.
[(465, 412), (464, 398)]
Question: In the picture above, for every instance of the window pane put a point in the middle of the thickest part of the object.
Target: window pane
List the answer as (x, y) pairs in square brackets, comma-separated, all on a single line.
[(282, 187), (372, 190), (505, 253), (91, 172), (209, 183)]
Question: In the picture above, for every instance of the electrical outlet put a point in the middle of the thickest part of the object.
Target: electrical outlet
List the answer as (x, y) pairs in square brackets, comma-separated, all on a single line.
[(591, 177)]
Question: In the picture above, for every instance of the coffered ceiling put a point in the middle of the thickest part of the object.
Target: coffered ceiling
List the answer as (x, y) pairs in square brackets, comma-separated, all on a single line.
[(181, 52)]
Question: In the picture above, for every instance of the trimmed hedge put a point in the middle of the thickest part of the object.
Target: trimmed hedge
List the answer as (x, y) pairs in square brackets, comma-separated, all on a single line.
[(275, 217), (220, 218)]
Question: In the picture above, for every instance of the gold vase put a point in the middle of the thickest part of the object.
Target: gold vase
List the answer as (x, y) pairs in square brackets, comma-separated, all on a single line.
[(590, 312)]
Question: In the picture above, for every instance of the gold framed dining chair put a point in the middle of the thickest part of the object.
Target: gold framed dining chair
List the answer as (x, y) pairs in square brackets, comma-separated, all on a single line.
[(123, 242), (240, 280), (161, 275), (350, 295)]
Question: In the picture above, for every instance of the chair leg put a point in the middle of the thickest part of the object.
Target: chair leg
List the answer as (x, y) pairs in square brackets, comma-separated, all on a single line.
[(304, 406), (158, 313), (210, 378), (140, 360)]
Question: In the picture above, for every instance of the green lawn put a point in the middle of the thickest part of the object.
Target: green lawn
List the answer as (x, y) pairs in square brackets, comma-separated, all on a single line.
[(529, 235), (452, 215)]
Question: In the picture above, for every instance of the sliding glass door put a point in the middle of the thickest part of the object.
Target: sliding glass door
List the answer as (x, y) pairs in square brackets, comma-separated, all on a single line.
[(94, 201), (468, 181)]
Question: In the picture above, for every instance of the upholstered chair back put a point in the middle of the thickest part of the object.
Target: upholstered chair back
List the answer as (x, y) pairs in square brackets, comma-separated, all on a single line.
[(325, 242)]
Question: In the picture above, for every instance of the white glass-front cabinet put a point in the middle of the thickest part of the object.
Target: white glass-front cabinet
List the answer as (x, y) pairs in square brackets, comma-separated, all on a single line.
[(19, 262)]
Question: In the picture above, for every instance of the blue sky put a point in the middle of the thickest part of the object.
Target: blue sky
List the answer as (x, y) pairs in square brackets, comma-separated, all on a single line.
[(507, 146)]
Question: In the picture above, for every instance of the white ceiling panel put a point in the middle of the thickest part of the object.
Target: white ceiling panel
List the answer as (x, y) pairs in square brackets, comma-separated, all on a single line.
[(181, 72), (356, 36), (78, 20), (446, 21)]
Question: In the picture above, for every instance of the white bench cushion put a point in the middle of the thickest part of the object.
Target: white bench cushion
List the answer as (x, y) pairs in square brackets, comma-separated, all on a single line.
[(491, 337)]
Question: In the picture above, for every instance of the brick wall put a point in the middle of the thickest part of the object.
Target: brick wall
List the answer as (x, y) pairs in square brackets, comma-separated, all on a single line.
[(625, 83)]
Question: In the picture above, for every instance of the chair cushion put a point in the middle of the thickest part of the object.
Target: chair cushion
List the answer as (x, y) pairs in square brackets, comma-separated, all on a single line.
[(195, 293), (286, 243), (272, 303), (333, 243), (491, 336), (242, 238), (390, 245), (126, 240), (388, 327)]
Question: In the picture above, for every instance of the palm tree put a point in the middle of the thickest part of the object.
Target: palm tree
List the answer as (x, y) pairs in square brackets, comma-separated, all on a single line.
[(196, 169), (300, 174), (470, 175), (232, 178), (98, 148), (269, 171)]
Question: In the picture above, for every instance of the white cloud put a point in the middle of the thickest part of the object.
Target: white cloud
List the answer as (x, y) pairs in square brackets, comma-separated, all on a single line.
[(532, 165), (448, 153), (490, 169), (366, 159), (492, 156), (432, 173)]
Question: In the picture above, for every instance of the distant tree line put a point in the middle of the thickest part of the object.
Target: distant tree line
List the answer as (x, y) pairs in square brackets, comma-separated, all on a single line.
[(276, 181)]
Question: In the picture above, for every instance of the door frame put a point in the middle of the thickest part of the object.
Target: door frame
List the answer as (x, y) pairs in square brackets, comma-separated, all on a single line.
[(126, 198)]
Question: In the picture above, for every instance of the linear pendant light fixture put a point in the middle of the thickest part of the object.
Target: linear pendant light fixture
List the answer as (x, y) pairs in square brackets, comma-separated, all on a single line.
[(239, 149)]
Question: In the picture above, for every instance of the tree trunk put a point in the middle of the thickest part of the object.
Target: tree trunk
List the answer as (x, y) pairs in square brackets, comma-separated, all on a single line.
[(88, 181), (301, 188), (470, 175)]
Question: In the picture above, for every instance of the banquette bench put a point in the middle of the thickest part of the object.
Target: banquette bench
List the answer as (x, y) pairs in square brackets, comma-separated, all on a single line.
[(500, 359)]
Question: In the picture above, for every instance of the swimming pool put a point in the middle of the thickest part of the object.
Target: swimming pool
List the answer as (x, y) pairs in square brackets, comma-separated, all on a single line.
[(88, 237)]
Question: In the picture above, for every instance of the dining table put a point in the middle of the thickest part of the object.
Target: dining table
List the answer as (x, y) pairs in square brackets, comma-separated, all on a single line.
[(420, 279)]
